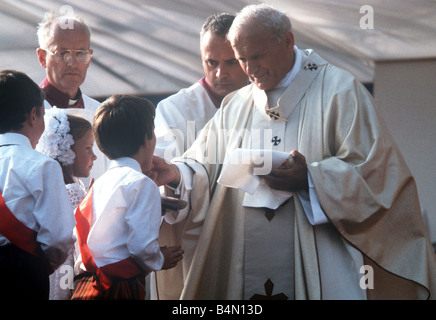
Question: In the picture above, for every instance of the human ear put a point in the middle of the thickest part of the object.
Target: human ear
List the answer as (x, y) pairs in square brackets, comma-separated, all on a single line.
[(289, 38), (42, 55), (33, 116)]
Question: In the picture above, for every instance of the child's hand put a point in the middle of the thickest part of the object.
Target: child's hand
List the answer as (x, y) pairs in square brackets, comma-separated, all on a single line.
[(172, 255)]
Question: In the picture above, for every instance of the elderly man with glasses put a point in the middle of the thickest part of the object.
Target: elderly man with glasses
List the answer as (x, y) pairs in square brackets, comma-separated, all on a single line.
[(64, 51)]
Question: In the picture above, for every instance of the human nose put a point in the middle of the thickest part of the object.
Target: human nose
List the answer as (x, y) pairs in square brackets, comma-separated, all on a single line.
[(71, 58), (250, 67), (221, 71)]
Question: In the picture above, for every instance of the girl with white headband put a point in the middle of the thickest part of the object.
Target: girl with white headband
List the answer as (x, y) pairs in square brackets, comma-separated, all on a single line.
[(69, 140)]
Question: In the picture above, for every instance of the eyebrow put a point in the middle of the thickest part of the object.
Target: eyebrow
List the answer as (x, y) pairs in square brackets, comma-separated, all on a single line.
[(67, 49), (227, 60)]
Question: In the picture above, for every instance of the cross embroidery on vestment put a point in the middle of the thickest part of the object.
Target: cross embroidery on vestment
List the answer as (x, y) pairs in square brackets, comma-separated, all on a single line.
[(276, 140), (269, 285)]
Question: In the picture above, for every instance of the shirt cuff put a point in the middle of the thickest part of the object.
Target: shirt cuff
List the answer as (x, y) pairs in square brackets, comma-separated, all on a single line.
[(186, 177)]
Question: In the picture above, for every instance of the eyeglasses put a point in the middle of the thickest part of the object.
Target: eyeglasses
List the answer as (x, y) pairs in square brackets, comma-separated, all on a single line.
[(82, 56)]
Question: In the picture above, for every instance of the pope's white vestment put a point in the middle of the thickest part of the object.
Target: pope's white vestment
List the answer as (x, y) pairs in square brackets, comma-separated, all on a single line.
[(243, 251)]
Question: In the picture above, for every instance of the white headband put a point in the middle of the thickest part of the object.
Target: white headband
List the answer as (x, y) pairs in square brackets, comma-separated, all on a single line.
[(56, 141)]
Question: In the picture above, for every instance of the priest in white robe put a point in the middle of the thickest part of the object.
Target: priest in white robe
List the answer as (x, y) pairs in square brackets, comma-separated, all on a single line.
[(341, 220), (182, 115)]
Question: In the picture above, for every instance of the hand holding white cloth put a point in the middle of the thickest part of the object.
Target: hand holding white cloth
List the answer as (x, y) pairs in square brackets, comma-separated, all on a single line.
[(243, 169)]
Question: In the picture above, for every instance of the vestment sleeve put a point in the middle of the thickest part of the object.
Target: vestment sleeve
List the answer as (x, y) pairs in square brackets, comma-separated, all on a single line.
[(364, 185), (184, 190), (170, 137)]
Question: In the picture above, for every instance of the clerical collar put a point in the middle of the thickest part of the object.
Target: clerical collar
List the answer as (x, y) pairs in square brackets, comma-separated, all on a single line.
[(216, 99), (286, 81), (59, 99)]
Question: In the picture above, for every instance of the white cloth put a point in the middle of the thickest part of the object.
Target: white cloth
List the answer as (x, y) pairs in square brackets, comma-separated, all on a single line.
[(102, 162), (126, 218), (249, 164), (33, 188), (179, 118)]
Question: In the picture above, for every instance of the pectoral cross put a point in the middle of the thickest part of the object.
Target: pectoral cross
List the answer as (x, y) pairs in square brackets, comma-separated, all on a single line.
[(269, 285), (274, 115), (311, 67)]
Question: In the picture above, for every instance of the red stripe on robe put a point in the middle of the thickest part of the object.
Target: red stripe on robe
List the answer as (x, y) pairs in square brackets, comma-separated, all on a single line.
[(216, 99), (124, 269), (19, 234)]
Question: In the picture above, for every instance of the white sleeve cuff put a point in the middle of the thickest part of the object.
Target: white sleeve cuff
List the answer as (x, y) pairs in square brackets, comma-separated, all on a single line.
[(184, 190), (186, 177)]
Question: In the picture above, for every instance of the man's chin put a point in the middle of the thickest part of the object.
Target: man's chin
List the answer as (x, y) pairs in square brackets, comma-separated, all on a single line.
[(223, 91), (72, 82), (262, 86)]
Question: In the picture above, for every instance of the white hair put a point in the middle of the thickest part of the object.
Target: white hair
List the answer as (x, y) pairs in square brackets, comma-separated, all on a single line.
[(273, 20), (52, 19)]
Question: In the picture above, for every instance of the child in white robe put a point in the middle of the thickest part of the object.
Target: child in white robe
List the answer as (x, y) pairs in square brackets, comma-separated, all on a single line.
[(69, 140), (118, 221)]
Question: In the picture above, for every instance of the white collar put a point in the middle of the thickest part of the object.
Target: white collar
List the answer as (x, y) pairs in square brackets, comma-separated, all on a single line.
[(125, 162), (286, 81), (15, 138)]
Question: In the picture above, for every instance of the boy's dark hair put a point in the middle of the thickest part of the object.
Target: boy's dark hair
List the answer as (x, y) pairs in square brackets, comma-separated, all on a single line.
[(18, 95), (121, 123)]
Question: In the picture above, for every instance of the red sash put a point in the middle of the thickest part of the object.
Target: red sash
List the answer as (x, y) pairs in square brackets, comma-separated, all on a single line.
[(124, 269), (19, 234)]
